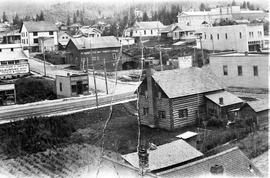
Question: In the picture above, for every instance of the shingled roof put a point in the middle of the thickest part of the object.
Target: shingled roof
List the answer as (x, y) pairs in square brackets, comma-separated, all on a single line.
[(96, 42), (188, 81), (234, 162), (40, 26), (260, 105), (228, 98), (149, 25), (166, 155)]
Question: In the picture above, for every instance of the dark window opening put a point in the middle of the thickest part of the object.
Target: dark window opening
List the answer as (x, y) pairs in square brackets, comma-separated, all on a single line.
[(225, 70), (183, 113), (51, 33), (145, 111), (61, 89), (161, 114), (35, 40), (255, 70), (240, 72), (35, 33)]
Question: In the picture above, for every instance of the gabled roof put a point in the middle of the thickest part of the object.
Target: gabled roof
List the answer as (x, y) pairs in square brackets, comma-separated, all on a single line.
[(40, 26), (166, 155), (228, 98), (149, 25), (188, 81), (259, 105), (234, 162), (96, 42), (12, 55), (88, 30)]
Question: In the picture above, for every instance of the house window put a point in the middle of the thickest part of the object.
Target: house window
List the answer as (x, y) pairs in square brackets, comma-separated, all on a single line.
[(255, 70), (218, 36), (60, 86), (226, 35), (204, 36), (26, 41), (240, 35), (36, 40), (35, 33), (25, 33), (182, 113), (114, 55), (11, 49), (211, 36), (145, 32), (225, 70), (73, 88), (240, 72), (145, 111), (151, 32), (161, 114), (0, 50), (51, 33), (159, 95), (23, 41)]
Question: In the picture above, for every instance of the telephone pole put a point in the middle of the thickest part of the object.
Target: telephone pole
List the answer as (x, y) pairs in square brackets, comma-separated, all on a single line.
[(95, 84), (105, 72)]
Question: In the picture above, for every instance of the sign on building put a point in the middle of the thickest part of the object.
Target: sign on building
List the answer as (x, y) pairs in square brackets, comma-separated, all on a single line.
[(14, 69), (185, 62)]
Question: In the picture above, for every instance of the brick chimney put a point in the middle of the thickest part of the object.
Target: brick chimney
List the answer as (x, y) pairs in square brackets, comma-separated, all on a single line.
[(217, 170), (221, 101)]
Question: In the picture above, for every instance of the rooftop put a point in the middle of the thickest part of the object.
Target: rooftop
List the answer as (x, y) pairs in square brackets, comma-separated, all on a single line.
[(40, 26), (188, 81), (12, 55), (234, 162), (259, 105), (149, 25), (187, 135), (166, 155), (4, 87), (238, 54), (96, 42), (8, 46), (228, 98)]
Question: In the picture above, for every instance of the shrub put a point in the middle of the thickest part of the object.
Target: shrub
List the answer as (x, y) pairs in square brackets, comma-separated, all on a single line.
[(214, 122)]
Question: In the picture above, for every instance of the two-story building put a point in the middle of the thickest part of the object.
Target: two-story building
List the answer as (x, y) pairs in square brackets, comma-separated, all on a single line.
[(177, 98), (241, 69), (85, 52), (13, 61), (34, 33), (240, 38)]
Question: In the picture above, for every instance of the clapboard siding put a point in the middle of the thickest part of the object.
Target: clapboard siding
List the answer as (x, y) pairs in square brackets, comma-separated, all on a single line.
[(191, 103), (145, 119)]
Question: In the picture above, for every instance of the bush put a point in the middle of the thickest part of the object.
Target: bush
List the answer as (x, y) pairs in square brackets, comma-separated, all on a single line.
[(214, 122)]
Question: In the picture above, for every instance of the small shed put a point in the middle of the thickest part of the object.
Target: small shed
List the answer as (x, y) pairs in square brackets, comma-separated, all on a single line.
[(7, 94), (189, 137), (72, 85), (258, 111), (220, 103)]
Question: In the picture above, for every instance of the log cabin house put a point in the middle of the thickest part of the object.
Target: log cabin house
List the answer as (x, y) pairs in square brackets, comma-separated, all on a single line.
[(175, 98)]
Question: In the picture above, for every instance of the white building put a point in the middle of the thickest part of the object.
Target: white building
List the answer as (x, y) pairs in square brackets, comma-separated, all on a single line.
[(240, 69), (240, 38), (89, 32), (32, 31), (145, 29), (126, 41), (13, 61)]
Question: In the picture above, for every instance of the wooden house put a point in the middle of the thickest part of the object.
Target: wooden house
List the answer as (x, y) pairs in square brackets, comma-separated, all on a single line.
[(219, 104), (175, 98), (258, 111), (92, 52)]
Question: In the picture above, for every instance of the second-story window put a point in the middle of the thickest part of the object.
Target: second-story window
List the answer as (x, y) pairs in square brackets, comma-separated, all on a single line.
[(161, 114), (240, 35), (145, 111), (225, 70), (211, 36), (114, 55), (218, 36), (239, 69), (226, 35), (255, 70), (35, 40), (51, 33), (11, 49), (35, 33), (145, 32)]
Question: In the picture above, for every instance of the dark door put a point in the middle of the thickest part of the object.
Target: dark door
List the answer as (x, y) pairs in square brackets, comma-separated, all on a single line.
[(79, 88)]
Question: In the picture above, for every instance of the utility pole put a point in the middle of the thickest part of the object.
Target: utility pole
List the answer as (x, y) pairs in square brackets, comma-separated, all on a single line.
[(202, 50), (160, 58), (43, 49), (105, 73), (95, 84)]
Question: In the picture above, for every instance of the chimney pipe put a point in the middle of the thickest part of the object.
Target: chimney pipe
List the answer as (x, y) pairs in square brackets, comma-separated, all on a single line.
[(143, 159), (221, 100), (217, 170)]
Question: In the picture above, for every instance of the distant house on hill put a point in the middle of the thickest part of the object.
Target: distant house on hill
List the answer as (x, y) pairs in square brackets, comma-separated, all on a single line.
[(145, 29), (33, 32), (94, 52), (177, 98), (88, 31)]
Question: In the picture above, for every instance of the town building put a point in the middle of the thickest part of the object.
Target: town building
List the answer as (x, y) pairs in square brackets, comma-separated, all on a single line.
[(72, 85), (12, 37), (229, 163), (7, 94), (166, 156), (257, 111), (88, 31), (32, 34), (13, 61), (145, 29), (63, 39), (241, 69), (240, 38), (126, 41), (198, 19), (94, 52), (176, 98), (186, 34)]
